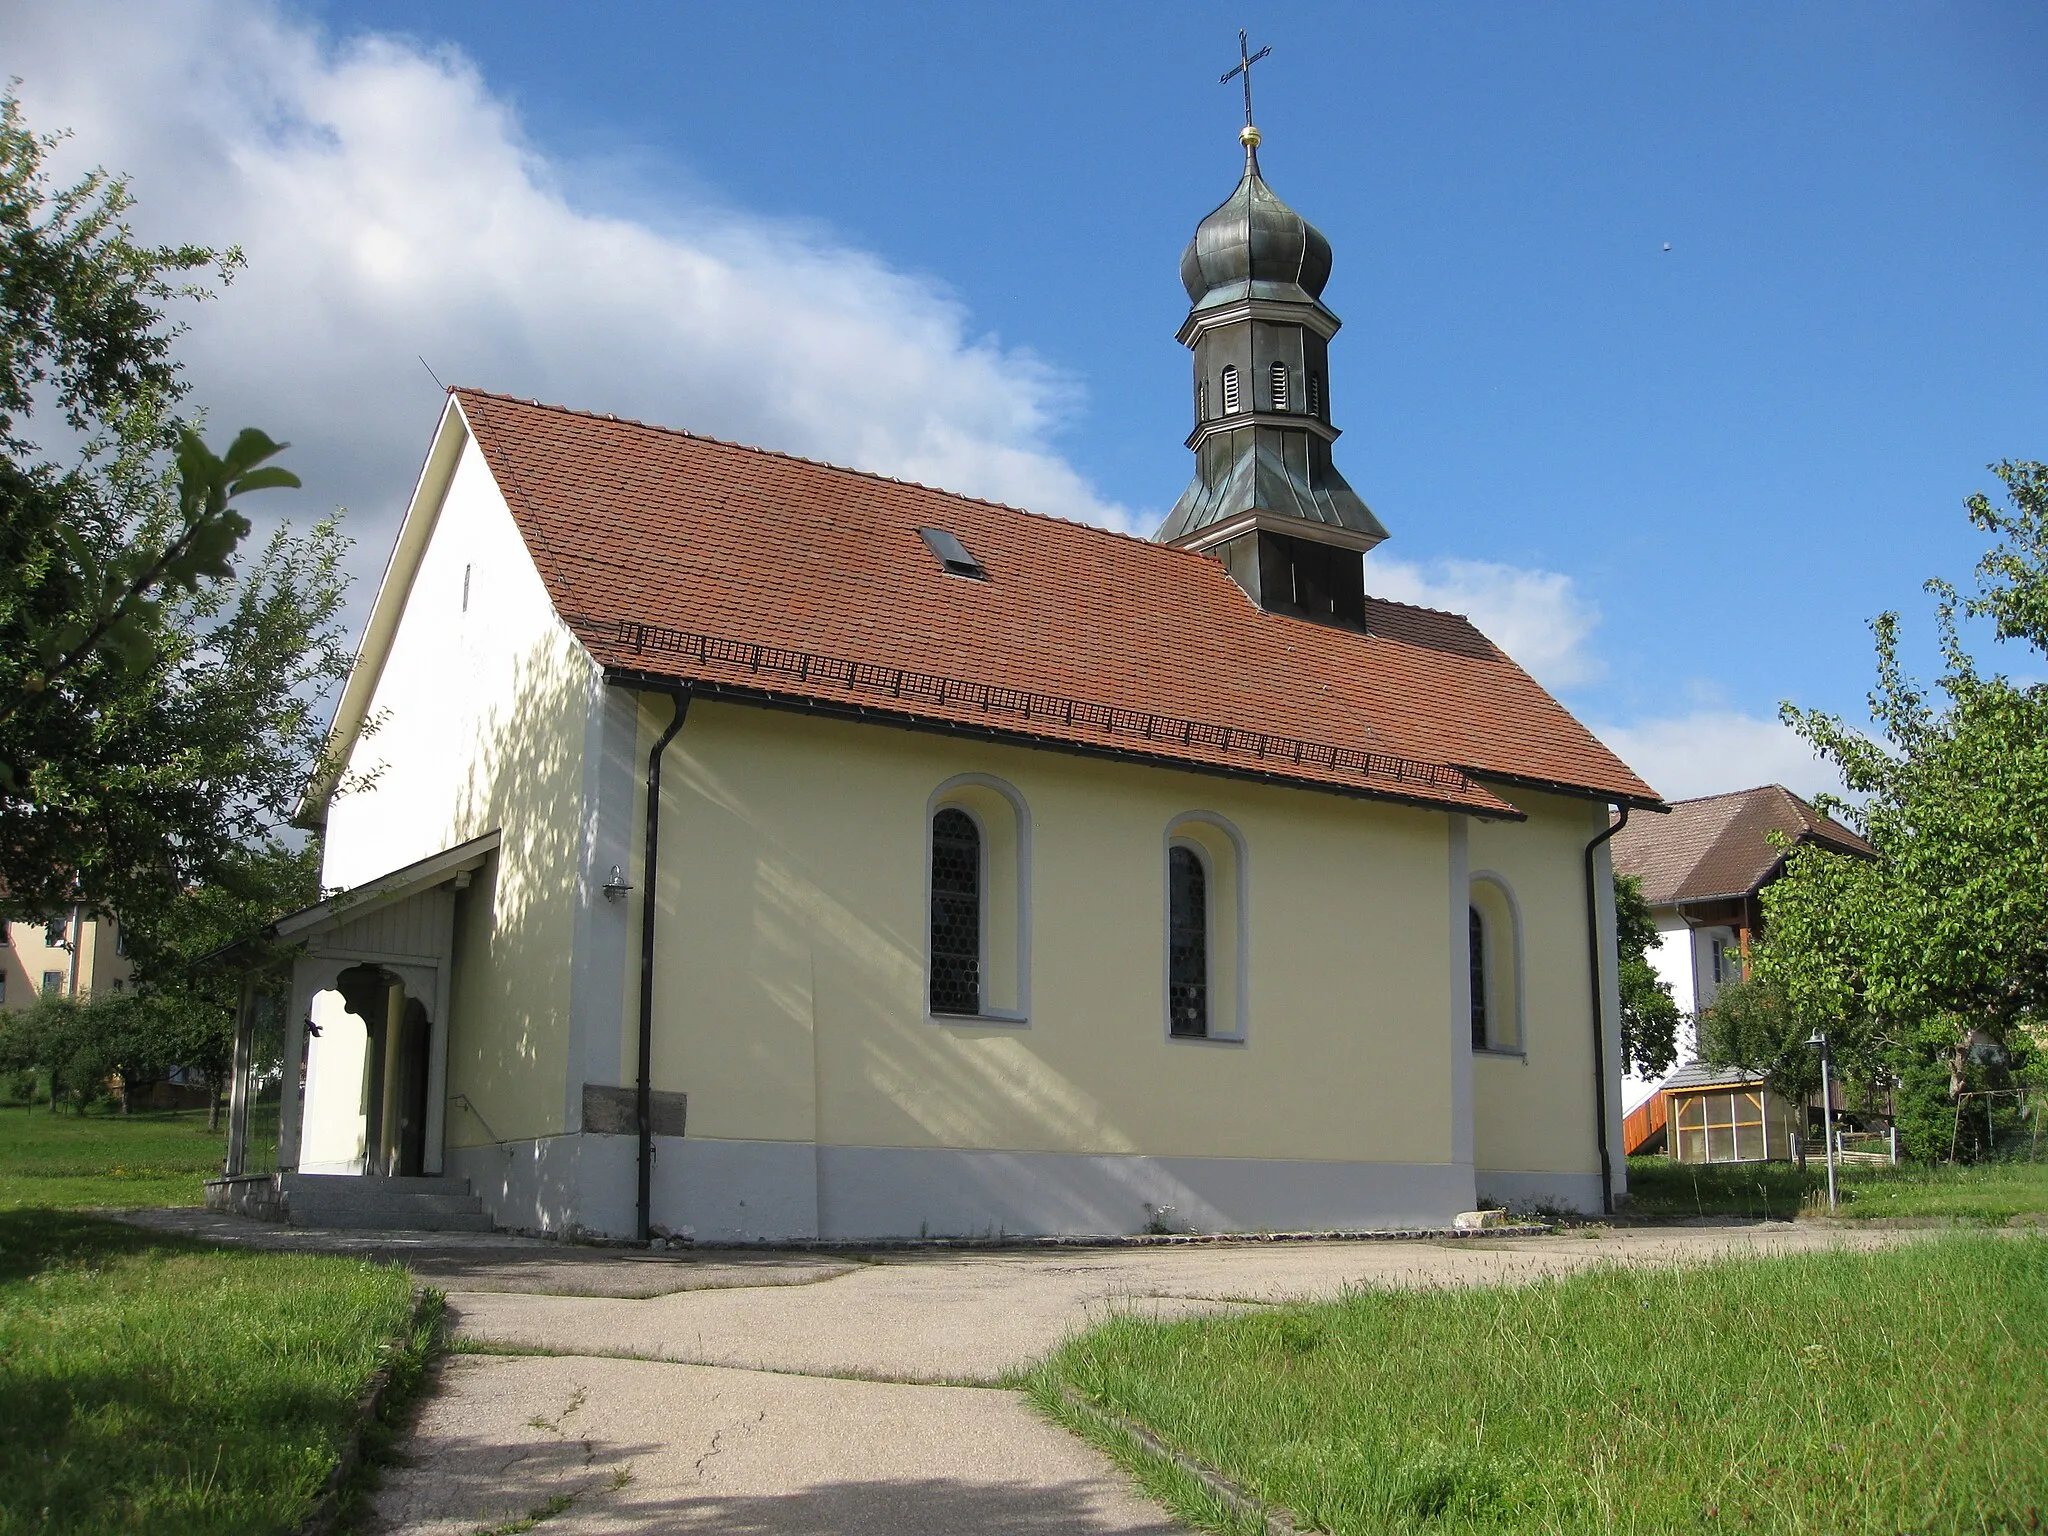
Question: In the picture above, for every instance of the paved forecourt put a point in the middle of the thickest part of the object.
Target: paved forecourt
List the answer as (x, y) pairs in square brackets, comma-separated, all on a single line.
[(796, 1393), (970, 1317)]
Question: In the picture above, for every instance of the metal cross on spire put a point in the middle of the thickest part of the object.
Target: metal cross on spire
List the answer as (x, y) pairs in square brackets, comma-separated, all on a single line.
[(1245, 60)]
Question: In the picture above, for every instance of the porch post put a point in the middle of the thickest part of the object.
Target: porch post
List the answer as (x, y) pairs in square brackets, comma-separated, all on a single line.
[(434, 1160), (238, 1081), (290, 1113)]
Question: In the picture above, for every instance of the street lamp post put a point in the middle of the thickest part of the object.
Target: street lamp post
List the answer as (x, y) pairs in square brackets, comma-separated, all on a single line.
[(1819, 1042)]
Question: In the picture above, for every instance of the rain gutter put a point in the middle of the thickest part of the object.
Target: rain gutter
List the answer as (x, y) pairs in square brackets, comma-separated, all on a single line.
[(1599, 1014), (643, 1088)]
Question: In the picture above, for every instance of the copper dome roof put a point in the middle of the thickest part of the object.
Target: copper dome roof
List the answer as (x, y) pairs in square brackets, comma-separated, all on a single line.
[(1255, 246)]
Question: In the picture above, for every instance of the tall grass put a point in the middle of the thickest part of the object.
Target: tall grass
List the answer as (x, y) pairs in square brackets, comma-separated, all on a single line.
[(1988, 1192), (148, 1384), (1890, 1391)]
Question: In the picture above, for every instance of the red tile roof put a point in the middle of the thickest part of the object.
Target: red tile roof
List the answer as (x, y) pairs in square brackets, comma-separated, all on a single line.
[(686, 558), (1719, 846)]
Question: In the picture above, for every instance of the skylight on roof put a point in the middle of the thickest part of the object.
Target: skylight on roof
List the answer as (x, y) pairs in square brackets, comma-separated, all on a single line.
[(952, 554)]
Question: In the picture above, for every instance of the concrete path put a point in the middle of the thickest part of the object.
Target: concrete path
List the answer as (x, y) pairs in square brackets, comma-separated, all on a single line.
[(969, 1318), (801, 1393), (632, 1445)]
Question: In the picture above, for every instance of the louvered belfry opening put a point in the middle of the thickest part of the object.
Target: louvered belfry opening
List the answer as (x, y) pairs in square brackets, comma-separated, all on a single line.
[(956, 913), (1187, 962), (1230, 390), (1279, 373)]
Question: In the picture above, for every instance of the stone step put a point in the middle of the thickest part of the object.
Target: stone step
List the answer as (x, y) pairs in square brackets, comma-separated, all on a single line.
[(434, 1204), (414, 1184), (395, 1221), (384, 1205)]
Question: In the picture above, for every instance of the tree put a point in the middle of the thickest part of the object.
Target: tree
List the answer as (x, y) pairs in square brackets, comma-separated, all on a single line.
[(159, 686), (201, 992), (1936, 953), (1751, 1026), (1650, 1016)]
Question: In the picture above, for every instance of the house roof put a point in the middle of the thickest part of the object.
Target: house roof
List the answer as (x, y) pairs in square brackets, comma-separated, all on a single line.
[(394, 886), (1719, 847), (1697, 1074), (679, 557), (359, 901)]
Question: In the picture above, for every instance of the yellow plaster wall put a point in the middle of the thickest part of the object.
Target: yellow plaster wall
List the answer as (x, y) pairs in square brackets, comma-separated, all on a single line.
[(790, 978), (1534, 1112)]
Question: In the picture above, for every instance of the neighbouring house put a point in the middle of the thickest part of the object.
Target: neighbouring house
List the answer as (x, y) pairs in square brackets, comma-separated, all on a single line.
[(762, 849), (1703, 868), (74, 955)]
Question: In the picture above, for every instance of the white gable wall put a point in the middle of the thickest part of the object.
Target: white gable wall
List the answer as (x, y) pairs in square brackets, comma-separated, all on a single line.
[(479, 719), (453, 679), (1675, 957)]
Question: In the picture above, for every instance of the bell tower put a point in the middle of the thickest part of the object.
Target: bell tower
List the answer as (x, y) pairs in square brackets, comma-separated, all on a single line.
[(1266, 498)]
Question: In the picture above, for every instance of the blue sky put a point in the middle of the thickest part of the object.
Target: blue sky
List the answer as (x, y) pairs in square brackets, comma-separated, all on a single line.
[(1702, 469)]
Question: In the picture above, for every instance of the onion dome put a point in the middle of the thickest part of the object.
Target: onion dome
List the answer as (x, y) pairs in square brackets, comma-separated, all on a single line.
[(1254, 246)]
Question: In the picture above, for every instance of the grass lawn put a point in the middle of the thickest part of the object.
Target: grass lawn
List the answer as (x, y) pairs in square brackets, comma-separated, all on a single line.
[(1990, 1192), (1892, 1391), (100, 1159), (148, 1383)]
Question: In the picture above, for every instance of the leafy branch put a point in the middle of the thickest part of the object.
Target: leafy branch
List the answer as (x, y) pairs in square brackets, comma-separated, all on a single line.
[(128, 591)]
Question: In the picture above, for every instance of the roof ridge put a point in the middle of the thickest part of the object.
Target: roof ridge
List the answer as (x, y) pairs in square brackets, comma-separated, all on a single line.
[(1446, 613), (1726, 794), (826, 464)]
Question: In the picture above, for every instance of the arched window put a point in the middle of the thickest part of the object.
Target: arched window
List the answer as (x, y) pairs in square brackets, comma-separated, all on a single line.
[(1496, 961), (978, 928), (1187, 959), (1279, 386), (1230, 389), (1315, 396), (956, 913), (1479, 973)]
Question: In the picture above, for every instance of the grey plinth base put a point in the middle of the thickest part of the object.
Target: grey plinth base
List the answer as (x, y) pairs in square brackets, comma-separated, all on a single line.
[(247, 1194)]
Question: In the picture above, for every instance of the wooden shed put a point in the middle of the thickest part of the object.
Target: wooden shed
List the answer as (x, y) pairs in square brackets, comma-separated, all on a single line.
[(1719, 1115)]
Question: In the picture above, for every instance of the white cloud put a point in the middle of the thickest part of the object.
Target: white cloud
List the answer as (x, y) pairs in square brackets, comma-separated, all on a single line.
[(1537, 617), (1713, 751), (390, 207)]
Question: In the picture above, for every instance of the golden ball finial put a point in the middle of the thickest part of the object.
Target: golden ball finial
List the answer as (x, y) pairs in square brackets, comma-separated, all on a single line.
[(1249, 137)]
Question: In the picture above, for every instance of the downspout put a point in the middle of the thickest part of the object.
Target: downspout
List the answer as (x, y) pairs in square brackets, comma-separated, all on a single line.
[(649, 869), (1599, 1019)]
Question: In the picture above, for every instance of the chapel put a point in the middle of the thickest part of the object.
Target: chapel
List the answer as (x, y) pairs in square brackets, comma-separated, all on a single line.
[(743, 848)]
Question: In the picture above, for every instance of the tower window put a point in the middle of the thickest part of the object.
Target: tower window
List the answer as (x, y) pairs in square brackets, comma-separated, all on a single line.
[(1202, 400), (1279, 386), (1315, 396), (1187, 959), (1230, 389), (956, 913)]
